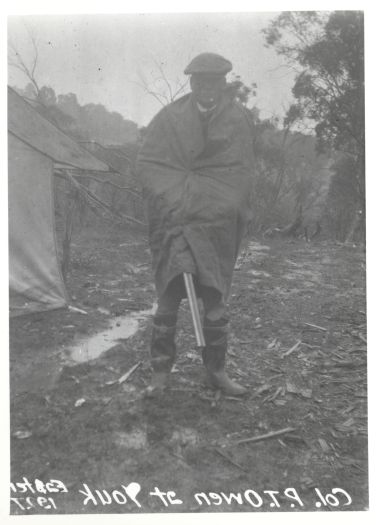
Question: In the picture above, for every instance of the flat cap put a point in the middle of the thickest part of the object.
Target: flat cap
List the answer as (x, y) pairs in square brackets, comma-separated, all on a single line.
[(208, 63)]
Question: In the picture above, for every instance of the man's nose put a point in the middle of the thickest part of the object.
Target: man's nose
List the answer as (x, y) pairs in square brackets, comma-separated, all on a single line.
[(207, 89)]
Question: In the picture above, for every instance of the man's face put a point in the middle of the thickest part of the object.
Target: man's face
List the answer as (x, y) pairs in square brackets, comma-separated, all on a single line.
[(207, 88)]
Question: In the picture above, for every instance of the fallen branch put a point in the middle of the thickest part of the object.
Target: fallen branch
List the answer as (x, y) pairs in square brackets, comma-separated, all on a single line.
[(272, 397), (292, 349), (261, 390), (129, 373), (266, 436), (110, 183), (93, 201), (121, 380), (275, 375), (75, 309), (317, 327), (359, 336), (225, 456)]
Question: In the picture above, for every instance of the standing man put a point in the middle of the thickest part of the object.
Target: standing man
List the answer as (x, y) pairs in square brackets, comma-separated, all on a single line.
[(196, 166)]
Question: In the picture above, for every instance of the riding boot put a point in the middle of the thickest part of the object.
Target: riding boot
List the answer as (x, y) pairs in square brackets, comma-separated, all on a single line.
[(214, 356), (163, 351)]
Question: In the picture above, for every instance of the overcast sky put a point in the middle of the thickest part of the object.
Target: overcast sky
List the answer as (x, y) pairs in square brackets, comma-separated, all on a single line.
[(102, 58)]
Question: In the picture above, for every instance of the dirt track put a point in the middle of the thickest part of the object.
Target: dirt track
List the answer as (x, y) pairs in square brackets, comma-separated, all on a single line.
[(298, 342)]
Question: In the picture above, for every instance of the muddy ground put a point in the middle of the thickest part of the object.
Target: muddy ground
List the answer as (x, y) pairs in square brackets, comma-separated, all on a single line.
[(298, 342)]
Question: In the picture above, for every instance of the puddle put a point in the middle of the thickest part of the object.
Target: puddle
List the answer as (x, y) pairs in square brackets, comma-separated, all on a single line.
[(120, 328)]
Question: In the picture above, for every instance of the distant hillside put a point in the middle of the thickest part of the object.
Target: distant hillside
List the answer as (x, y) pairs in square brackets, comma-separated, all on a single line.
[(90, 122)]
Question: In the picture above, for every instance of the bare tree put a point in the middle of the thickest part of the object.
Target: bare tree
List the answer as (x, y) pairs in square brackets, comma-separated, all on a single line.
[(16, 61), (160, 86)]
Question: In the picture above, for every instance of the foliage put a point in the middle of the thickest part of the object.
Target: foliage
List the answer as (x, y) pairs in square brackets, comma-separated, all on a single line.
[(240, 91), (290, 176), (327, 52), (329, 86), (341, 207), (159, 86)]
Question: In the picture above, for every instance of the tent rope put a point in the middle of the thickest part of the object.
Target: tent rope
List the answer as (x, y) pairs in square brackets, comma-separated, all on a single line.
[(125, 188), (93, 200)]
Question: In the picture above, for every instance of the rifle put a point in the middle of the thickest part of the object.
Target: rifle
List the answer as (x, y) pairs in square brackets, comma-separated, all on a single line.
[(193, 305)]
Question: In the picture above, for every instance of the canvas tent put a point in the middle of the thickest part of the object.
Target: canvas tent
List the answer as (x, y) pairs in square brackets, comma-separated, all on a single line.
[(114, 157), (35, 147)]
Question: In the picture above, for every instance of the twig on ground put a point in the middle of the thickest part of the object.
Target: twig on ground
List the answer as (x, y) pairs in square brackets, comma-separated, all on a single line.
[(121, 380), (317, 327), (124, 377), (292, 349), (272, 397), (261, 390), (362, 338), (355, 465), (266, 436), (358, 335), (229, 459), (310, 346), (75, 309), (275, 376)]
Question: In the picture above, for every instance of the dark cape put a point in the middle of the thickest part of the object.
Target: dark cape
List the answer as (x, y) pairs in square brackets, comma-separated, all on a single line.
[(197, 177)]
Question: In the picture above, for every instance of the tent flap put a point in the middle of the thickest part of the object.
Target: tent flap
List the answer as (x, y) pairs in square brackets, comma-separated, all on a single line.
[(33, 263), (29, 126)]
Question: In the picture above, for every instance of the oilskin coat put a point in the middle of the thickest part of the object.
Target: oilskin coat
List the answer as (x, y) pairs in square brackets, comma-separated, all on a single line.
[(197, 177)]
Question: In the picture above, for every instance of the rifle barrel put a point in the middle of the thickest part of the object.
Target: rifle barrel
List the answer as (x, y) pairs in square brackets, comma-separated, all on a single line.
[(193, 305)]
